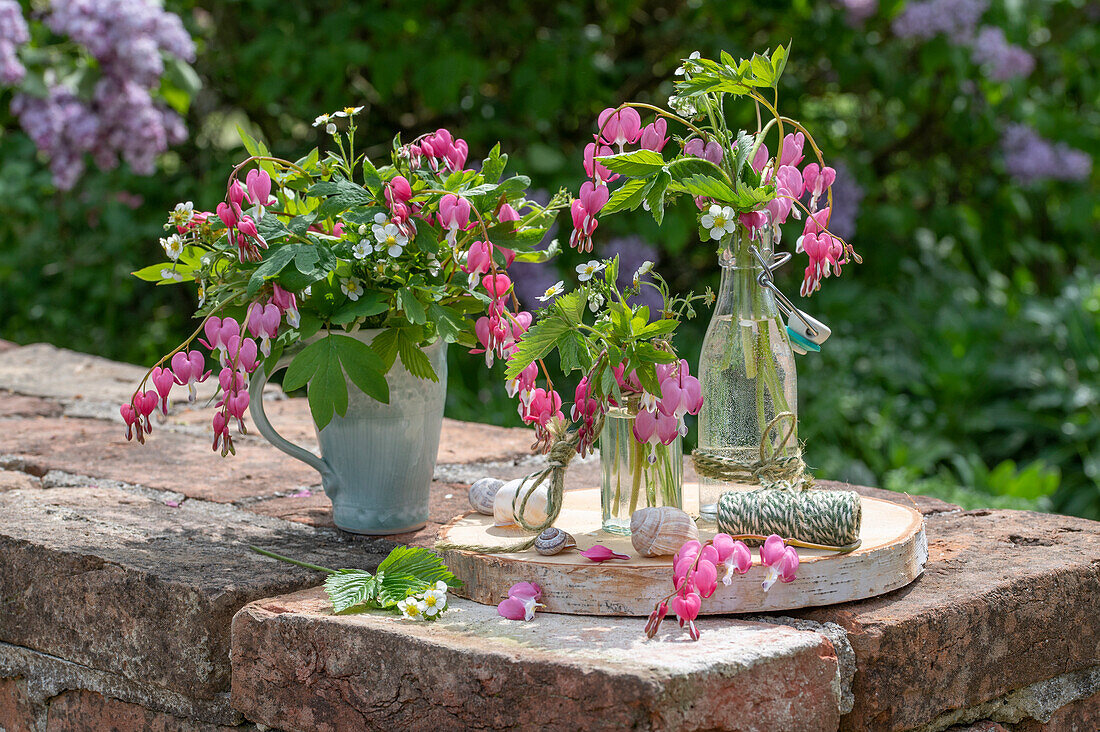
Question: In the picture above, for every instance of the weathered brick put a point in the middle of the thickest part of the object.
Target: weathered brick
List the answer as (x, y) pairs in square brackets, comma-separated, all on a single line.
[(298, 667), (1007, 599), (1082, 715), (87, 711), (16, 710), (122, 582), (169, 461), (17, 405)]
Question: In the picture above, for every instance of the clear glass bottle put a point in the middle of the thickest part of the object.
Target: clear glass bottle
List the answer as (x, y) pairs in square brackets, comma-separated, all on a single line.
[(636, 475), (746, 366)]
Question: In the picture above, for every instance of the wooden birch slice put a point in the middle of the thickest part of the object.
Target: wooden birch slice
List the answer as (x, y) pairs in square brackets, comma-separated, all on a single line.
[(892, 555)]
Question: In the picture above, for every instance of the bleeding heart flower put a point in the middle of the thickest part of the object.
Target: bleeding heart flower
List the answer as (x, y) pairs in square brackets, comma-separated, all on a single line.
[(517, 608), (525, 589), (163, 380), (600, 553), (620, 127), (259, 187)]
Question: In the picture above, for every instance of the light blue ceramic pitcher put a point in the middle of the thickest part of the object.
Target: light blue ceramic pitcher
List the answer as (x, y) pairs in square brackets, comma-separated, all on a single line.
[(377, 460)]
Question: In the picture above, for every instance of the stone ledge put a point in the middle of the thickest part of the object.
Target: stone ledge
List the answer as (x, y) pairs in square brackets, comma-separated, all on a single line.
[(34, 680), (298, 667), (1007, 599), (115, 580)]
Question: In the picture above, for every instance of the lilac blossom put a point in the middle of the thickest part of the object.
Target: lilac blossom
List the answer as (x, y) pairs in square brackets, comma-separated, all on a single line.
[(858, 11), (128, 39), (957, 19), (633, 251), (1029, 158), (1003, 60), (13, 33)]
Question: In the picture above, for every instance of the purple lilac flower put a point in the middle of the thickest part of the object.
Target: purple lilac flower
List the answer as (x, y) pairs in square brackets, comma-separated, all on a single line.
[(13, 33), (858, 11), (531, 280), (633, 251), (925, 19), (1029, 158), (128, 38), (847, 195), (1003, 59)]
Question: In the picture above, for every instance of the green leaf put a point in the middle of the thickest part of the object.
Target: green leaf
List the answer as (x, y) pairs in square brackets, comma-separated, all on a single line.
[(368, 304), (271, 267), (681, 168), (702, 185), (628, 196), (573, 352), (418, 562), (655, 195), (571, 306), (152, 273), (413, 358), (538, 341), (371, 179), (493, 165), (385, 345), (328, 388), (300, 224), (363, 366), (271, 229), (745, 142), (660, 327), (448, 321), (413, 309), (257, 149), (304, 366), (635, 164), (340, 195), (350, 588)]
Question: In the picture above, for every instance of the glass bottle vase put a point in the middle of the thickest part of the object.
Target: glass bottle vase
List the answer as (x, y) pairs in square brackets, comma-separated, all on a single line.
[(746, 367), (636, 475)]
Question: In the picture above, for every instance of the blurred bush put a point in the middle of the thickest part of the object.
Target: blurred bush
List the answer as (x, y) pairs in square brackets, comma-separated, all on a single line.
[(965, 356)]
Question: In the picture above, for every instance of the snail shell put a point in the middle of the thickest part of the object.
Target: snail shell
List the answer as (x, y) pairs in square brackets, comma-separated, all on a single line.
[(482, 494), (661, 530), (535, 512), (554, 541)]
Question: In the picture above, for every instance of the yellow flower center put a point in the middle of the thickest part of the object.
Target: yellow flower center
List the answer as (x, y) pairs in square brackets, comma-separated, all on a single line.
[(430, 600), (391, 240)]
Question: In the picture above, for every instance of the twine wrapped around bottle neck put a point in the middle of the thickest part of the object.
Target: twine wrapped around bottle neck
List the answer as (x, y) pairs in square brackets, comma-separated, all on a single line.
[(562, 452), (771, 469)]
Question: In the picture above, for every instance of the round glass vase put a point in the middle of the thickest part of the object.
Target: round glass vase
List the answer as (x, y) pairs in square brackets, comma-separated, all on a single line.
[(746, 366), (636, 474)]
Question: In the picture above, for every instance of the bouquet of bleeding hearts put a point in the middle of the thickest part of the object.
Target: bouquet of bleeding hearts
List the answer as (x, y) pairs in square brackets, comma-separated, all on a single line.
[(733, 180), (301, 253), (625, 355)]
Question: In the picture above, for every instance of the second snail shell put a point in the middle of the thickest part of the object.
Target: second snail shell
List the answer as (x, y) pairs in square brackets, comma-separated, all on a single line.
[(661, 530)]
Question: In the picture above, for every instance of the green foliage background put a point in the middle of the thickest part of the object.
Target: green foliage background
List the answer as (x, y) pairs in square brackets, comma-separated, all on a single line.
[(966, 354)]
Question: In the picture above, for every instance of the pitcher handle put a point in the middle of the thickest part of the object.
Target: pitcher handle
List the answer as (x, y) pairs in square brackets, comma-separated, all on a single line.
[(256, 410)]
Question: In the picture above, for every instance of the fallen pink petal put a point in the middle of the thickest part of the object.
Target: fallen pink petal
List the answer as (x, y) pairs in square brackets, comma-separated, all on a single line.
[(601, 553)]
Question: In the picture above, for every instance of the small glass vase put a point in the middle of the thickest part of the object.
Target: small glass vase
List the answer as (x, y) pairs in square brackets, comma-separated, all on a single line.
[(636, 475), (746, 367)]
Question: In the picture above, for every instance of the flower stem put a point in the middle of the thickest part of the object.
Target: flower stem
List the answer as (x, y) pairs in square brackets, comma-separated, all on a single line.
[(288, 560)]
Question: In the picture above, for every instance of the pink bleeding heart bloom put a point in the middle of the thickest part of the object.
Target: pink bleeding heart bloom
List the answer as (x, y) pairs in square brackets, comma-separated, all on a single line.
[(594, 169), (259, 187), (227, 214), (543, 407), (507, 213), (521, 321), (497, 285), (479, 259), (710, 151), (733, 556), (218, 332), (686, 605), (454, 215), (792, 149), (287, 303), (654, 135), (817, 179), (600, 553), (231, 381), (145, 404), (655, 619), (780, 559), (755, 222), (517, 608), (524, 384), (525, 589), (592, 199), (621, 127), (130, 417), (190, 369), (244, 352), (236, 405), (398, 190), (761, 158), (163, 381), (220, 423), (263, 322), (236, 194), (706, 577)]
